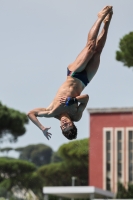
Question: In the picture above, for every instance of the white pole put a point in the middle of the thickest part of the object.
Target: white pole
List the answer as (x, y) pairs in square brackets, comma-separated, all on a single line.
[(73, 183)]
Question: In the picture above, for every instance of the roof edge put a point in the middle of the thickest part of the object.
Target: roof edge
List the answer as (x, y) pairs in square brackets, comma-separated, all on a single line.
[(110, 110)]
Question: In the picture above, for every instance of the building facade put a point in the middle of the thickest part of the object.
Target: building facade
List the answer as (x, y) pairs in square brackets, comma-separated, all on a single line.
[(111, 148)]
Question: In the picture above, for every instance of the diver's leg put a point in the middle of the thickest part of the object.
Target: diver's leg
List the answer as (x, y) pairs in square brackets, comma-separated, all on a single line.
[(93, 64), (103, 35), (83, 58)]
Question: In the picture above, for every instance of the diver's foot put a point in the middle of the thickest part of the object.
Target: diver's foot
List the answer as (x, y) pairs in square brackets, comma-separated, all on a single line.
[(104, 12), (108, 17)]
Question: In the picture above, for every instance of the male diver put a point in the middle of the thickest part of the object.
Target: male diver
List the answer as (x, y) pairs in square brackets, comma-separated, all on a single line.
[(68, 105)]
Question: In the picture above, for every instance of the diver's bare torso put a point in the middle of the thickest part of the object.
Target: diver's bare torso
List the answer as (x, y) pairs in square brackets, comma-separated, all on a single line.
[(72, 87)]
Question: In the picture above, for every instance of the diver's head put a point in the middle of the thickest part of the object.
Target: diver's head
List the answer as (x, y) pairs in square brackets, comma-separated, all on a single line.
[(68, 128)]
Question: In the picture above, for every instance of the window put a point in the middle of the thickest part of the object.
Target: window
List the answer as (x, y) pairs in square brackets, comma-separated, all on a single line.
[(119, 155), (108, 160), (130, 155)]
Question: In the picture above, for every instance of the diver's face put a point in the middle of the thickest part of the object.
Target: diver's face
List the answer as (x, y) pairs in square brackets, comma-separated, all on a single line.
[(66, 124)]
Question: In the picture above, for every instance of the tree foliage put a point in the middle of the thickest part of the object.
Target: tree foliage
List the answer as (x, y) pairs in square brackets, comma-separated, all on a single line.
[(11, 123), (75, 151), (76, 154), (14, 167), (130, 190), (124, 193), (55, 157), (75, 163), (6, 149), (39, 154), (55, 174), (14, 172), (19, 149), (125, 54)]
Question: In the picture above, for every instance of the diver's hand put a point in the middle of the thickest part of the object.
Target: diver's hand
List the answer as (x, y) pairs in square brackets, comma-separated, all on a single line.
[(68, 101), (46, 133), (63, 100)]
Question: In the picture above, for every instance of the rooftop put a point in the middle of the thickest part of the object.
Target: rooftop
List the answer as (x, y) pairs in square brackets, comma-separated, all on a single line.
[(110, 110), (77, 192)]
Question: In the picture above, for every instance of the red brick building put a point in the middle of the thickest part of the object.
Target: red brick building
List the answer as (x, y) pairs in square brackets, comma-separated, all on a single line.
[(111, 147)]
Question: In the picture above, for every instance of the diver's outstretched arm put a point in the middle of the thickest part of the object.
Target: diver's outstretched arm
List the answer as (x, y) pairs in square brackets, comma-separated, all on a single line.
[(40, 112)]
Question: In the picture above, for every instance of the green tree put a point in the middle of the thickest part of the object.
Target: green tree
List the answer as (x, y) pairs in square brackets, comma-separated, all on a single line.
[(75, 163), (122, 192), (55, 157), (14, 172), (130, 190), (39, 154), (19, 149), (125, 54), (75, 151), (55, 174), (6, 149), (76, 154), (14, 168), (11, 123)]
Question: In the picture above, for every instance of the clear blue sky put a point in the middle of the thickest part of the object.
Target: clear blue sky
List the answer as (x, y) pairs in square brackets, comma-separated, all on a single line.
[(39, 39)]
